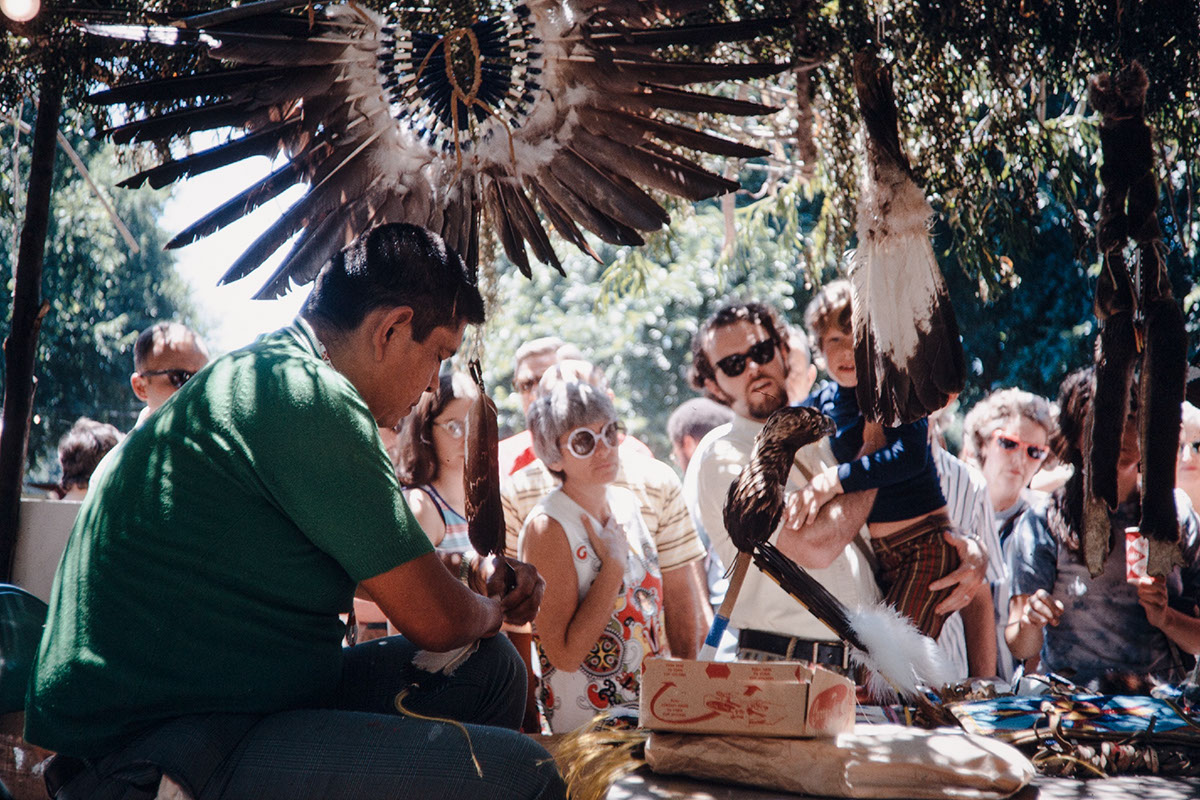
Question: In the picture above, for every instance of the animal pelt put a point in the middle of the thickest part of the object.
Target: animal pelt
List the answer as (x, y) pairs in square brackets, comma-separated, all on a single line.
[(906, 341), (1138, 314), (1115, 362), (1160, 395)]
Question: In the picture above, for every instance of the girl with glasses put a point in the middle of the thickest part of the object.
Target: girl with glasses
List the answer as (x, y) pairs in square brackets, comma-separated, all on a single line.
[(602, 611), (431, 446)]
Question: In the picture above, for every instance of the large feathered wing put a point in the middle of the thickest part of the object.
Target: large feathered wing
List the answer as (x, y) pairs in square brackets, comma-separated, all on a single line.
[(549, 110), (906, 342)]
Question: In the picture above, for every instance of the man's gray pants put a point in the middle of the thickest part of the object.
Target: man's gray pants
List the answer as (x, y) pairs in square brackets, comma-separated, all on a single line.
[(359, 746)]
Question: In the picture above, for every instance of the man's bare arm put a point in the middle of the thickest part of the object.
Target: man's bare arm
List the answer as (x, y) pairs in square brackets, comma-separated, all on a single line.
[(817, 545), (686, 611)]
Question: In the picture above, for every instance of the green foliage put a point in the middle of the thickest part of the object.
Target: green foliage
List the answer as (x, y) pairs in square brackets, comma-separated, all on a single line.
[(634, 315), (100, 294)]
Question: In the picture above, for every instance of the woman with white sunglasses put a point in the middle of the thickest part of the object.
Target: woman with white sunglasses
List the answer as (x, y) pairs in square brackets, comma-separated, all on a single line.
[(430, 468), (602, 611)]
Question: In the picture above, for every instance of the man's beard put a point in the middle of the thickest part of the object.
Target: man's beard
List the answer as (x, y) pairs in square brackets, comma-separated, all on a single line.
[(763, 403)]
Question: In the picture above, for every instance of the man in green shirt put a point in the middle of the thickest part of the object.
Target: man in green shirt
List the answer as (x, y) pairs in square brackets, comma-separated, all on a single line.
[(193, 635)]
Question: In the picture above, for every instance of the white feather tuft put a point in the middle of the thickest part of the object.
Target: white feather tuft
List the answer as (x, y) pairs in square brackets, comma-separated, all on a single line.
[(445, 663), (894, 277), (899, 658)]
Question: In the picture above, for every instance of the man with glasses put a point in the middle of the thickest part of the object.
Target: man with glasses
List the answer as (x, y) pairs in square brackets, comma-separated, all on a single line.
[(165, 356), (739, 359)]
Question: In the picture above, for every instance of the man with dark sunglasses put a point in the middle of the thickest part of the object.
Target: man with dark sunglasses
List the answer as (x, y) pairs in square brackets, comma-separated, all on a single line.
[(740, 359), (165, 356)]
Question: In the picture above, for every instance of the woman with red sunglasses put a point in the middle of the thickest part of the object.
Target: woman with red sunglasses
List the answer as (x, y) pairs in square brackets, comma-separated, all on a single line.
[(1009, 432), (602, 611)]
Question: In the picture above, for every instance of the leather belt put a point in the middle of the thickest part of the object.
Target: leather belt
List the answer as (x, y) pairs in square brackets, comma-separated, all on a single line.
[(830, 653)]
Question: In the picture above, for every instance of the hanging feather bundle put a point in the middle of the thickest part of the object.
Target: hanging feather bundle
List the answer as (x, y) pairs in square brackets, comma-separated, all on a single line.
[(1139, 317), (548, 105), (906, 343), (897, 656), (485, 515)]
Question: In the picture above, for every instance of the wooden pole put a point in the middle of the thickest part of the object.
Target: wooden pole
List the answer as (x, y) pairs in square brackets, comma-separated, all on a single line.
[(20, 348), (721, 621)]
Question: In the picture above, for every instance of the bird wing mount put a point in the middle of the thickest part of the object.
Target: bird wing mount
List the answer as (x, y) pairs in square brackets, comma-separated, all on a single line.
[(546, 105)]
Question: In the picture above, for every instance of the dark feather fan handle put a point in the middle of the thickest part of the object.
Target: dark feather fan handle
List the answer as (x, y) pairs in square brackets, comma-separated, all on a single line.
[(481, 475), (755, 501), (796, 581)]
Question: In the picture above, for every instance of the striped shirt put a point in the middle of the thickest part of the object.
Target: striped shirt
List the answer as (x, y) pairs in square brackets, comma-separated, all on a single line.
[(970, 509), (655, 485)]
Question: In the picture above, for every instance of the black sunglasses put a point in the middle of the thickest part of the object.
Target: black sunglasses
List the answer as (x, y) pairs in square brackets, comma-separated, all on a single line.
[(761, 353), (177, 377), (1194, 445)]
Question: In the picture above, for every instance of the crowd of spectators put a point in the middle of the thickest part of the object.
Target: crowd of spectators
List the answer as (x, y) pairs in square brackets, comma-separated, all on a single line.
[(321, 469)]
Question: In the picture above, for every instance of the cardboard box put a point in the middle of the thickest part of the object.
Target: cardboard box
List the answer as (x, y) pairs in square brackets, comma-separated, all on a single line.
[(777, 698)]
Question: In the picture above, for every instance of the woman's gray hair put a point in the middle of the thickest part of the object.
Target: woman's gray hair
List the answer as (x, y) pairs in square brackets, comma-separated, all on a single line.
[(567, 406), (1004, 404)]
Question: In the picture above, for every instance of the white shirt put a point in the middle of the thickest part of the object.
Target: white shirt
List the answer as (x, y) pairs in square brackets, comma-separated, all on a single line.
[(716, 464)]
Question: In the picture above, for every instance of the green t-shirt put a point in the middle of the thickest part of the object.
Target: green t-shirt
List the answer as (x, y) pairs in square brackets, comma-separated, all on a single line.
[(217, 546)]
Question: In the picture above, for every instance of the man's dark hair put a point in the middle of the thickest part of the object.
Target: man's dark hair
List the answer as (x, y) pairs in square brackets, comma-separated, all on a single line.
[(396, 265), (695, 418), (1074, 402), (81, 449), (166, 332), (762, 314)]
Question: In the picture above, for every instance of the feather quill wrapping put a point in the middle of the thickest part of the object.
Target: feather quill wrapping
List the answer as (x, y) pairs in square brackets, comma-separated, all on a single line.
[(906, 342), (383, 117)]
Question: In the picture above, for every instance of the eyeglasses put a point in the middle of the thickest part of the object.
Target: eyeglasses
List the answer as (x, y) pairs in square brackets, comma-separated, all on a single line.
[(582, 441), (1009, 442), (761, 353), (177, 377), (1194, 445), (454, 427)]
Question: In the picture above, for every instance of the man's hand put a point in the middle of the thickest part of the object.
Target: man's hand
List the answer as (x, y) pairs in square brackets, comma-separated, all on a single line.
[(803, 506), (521, 603), (972, 569), (1042, 610), (1152, 594)]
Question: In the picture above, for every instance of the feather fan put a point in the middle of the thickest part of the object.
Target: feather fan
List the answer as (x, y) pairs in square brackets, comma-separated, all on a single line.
[(413, 117), (906, 343)]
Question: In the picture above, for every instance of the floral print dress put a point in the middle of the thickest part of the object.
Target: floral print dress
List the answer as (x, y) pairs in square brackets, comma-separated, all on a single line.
[(609, 679)]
